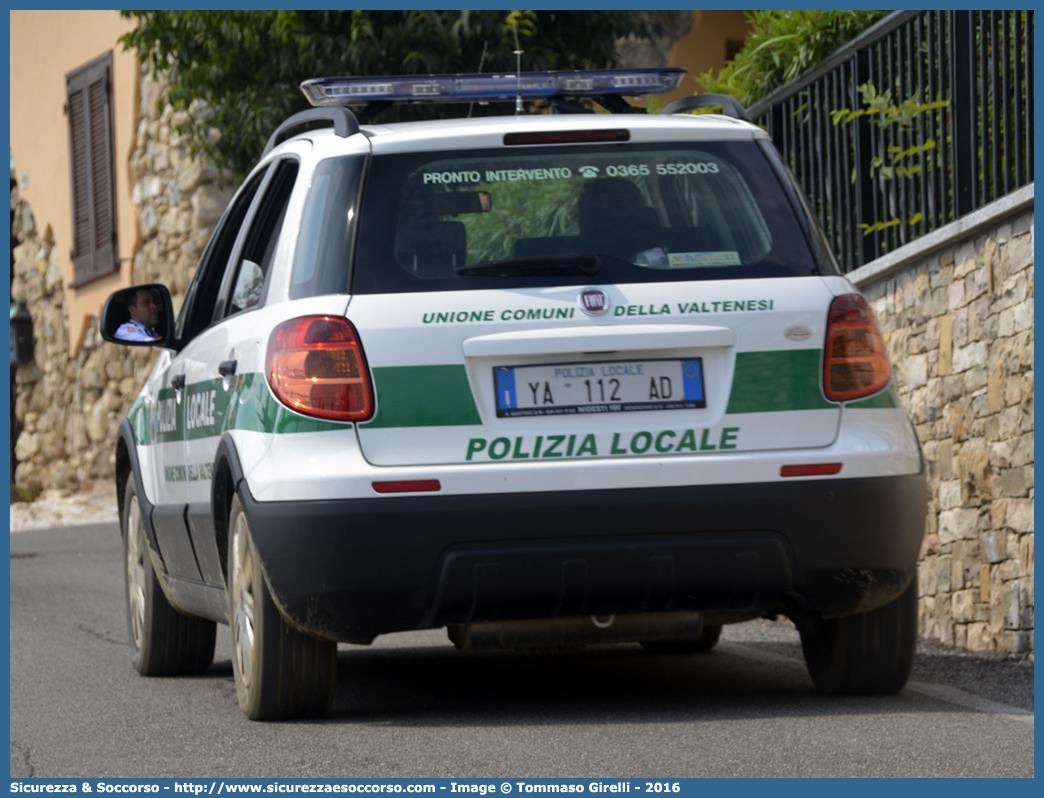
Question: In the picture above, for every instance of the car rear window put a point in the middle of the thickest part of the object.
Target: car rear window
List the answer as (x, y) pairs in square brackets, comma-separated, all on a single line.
[(558, 215)]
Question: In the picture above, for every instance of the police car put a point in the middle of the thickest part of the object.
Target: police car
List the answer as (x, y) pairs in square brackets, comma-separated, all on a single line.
[(542, 379)]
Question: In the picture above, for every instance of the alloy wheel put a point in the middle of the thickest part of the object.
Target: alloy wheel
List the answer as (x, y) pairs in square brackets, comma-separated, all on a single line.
[(136, 576), (243, 595)]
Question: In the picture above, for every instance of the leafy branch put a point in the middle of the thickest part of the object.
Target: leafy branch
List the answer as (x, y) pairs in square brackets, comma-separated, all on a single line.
[(895, 161), (237, 72), (781, 45)]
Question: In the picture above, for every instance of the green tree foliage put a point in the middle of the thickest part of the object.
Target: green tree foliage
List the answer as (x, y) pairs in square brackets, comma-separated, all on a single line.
[(238, 72), (781, 46)]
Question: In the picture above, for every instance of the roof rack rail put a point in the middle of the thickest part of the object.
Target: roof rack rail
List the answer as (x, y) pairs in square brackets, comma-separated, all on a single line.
[(607, 87), (729, 105), (344, 124)]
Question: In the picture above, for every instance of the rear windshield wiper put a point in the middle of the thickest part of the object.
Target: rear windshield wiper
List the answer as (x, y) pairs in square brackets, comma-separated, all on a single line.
[(585, 262)]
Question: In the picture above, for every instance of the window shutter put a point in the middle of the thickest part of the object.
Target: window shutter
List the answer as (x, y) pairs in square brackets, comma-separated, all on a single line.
[(89, 109)]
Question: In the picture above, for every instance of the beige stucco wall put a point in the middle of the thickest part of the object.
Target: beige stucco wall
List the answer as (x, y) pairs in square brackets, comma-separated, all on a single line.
[(45, 46), (705, 48)]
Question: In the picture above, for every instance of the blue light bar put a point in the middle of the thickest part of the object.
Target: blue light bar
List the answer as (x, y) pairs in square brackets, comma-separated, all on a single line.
[(491, 87)]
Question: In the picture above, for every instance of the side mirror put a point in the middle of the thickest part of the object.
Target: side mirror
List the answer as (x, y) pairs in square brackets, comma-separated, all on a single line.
[(249, 283), (153, 315)]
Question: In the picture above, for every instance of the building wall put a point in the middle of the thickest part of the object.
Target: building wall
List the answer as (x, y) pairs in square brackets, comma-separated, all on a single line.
[(957, 314), (699, 41), (45, 45), (707, 47), (71, 403)]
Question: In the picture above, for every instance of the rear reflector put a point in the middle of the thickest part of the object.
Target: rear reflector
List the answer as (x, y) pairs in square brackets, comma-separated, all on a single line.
[(855, 362), (415, 486), (316, 367), (567, 137), (817, 470)]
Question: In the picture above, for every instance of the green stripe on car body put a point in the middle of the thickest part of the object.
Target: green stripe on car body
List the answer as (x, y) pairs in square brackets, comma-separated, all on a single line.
[(886, 400), (207, 409), (770, 382), (436, 396), (440, 396), (423, 396), (258, 411), (139, 421)]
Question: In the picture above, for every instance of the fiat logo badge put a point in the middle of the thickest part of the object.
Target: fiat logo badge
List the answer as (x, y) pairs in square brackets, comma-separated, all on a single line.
[(593, 301)]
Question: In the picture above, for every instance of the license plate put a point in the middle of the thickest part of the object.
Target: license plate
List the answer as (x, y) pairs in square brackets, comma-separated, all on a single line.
[(607, 387)]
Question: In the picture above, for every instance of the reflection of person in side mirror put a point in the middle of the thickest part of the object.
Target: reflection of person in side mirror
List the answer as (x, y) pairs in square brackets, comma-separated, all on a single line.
[(144, 313)]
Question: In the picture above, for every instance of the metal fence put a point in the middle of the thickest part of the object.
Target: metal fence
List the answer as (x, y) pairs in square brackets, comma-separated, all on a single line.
[(921, 120)]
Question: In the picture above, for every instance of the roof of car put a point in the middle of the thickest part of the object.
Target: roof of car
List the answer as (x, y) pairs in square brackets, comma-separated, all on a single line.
[(488, 131)]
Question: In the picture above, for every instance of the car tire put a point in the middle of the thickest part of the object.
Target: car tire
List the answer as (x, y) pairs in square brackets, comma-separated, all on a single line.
[(695, 645), (279, 671), (163, 641), (870, 653)]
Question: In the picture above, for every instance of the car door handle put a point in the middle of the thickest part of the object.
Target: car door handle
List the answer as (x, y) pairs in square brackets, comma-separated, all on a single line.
[(227, 368), (178, 382)]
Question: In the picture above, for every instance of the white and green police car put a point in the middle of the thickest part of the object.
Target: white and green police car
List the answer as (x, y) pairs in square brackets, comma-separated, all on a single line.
[(543, 379)]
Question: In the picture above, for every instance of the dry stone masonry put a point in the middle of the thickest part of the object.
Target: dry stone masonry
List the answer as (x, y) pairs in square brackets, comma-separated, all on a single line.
[(179, 198), (70, 408), (959, 327)]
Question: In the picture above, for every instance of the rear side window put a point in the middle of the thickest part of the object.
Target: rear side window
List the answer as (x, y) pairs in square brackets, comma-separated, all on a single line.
[(322, 257), (534, 216), (197, 310), (255, 260)]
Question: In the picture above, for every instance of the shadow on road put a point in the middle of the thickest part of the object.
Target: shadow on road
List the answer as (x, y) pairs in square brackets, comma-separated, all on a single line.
[(435, 685)]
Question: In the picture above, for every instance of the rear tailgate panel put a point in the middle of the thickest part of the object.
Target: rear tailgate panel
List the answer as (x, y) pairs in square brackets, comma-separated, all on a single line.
[(759, 343)]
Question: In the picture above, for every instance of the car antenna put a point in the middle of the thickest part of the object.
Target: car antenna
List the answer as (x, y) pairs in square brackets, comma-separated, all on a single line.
[(518, 69), (482, 60)]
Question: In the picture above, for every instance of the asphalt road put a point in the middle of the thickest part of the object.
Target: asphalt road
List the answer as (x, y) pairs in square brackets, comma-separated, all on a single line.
[(410, 705)]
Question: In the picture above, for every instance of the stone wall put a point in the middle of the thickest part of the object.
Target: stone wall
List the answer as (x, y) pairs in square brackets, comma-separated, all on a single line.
[(655, 51), (179, 198), (71, 407), (959, 325)]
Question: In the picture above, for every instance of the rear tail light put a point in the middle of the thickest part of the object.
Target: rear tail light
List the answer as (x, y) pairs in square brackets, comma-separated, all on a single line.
[(412, 486), (855, 363), (316, 366), (816, 470)]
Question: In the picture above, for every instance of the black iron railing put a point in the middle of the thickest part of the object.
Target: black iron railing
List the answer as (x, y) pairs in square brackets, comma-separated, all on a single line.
[(921, 120)]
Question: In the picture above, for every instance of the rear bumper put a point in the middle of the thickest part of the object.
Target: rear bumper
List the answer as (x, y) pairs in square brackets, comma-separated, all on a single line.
[(352, 569)]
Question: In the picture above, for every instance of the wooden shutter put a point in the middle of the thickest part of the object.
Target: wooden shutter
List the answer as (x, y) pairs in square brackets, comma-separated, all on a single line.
[(89, 110)]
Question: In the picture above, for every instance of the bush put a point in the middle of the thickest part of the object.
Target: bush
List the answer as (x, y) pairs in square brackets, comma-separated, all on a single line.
[(781, 46)]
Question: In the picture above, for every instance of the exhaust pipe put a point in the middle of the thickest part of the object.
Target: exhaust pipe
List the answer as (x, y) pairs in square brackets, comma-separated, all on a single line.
[(576, 631)]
